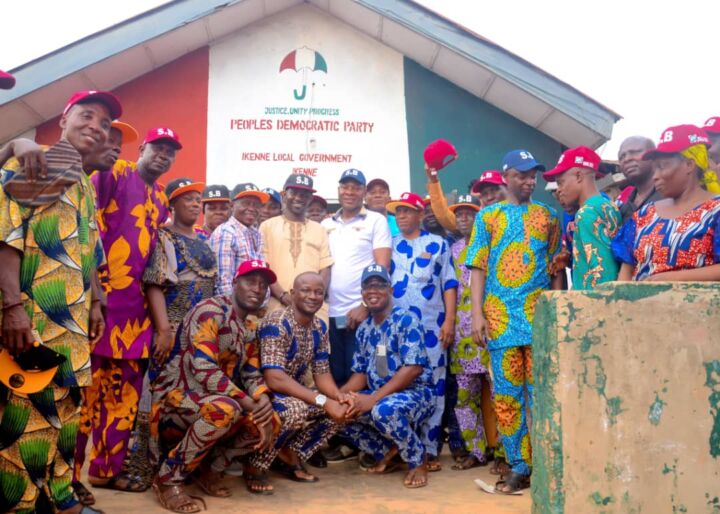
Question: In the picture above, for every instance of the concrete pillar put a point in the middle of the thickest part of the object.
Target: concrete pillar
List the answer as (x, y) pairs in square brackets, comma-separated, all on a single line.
[(626, 416)]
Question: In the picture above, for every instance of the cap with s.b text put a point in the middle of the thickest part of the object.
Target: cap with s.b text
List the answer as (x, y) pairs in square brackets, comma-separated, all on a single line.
[(299, 181), (375, 270), (353, 174), (677, 139), (216, 193), (521, 160), (254, 265)]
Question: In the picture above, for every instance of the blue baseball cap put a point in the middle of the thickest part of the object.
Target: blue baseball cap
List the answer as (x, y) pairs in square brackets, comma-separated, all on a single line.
[(375, 270), (353, 174), (273, 194), (521, 160)]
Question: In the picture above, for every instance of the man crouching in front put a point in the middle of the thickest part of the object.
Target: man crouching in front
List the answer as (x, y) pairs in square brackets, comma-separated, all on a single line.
[(391, 383), (210, 403), (292, 341)]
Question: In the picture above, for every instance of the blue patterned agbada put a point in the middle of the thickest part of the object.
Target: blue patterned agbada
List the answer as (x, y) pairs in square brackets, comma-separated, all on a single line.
[(422, 270), (394, 420)]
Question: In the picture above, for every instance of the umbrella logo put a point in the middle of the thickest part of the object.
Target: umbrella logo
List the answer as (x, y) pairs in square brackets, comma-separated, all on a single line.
[(306, 60)]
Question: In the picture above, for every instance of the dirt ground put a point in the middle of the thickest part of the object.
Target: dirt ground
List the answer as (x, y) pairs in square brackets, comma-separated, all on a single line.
[(345, 488)]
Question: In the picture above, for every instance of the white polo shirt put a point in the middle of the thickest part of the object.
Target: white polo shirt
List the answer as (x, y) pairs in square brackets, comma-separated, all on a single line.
[(351, 245)]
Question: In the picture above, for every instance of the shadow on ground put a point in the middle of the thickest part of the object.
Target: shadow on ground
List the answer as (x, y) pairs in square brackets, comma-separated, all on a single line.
[(344, 488)]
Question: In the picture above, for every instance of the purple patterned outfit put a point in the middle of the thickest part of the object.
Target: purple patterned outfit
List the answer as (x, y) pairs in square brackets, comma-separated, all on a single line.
[(468, 362)]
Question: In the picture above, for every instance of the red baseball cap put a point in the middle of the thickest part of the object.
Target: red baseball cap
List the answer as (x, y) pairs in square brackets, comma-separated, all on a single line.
[(319, 199), (406, 200), (108, 99), (488, 177), (256, 265), (163, 134), (378, 181), (439, 154), (712, 125), (580, 157), (7, 81), (676, 139)]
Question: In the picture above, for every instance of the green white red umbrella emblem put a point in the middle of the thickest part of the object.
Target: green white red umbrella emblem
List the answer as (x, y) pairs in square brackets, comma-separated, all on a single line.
[(306, 60)]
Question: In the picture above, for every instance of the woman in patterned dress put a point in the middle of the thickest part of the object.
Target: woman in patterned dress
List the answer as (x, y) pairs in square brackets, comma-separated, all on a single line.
[(677, 238), (181, 272)]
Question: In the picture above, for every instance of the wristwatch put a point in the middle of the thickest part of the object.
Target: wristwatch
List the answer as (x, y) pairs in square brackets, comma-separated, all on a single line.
[(320, 400)]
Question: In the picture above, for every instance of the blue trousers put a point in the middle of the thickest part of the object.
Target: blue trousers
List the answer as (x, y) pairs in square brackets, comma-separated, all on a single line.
[(394, 421)]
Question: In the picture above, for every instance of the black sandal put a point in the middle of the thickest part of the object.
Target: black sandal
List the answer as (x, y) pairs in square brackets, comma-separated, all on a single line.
[(134, 484), (500, 467), (83, 493), (470, 461), (515, 483), (258, 478), (290, 471)]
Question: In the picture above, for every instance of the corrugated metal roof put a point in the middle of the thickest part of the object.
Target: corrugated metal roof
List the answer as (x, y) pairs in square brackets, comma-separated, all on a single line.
[(138, 45)]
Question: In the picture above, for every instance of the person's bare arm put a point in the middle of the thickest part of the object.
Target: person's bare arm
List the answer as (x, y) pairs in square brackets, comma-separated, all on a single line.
[(325, 275), (327, 386), (704, 274), (97, 309), (279, 381), (557, 281), (356, 382), (447, 330), (438, 203), (29, 154), (158, 311), (477, 294), (16, 325), (399, 382), (382, 256), (626, 272)]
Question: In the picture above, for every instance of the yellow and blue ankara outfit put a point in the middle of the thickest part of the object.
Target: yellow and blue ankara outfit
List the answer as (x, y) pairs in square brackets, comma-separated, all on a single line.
[(513, 245)]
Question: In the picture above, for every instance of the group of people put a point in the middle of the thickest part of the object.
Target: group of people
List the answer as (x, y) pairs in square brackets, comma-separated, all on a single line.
[(277, 334)]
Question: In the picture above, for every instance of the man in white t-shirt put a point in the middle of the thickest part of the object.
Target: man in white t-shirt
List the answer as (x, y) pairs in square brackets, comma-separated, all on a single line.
[(358, 237)]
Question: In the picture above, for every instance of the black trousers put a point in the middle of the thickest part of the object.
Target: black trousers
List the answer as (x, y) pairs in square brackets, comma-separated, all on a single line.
[(342, 347)]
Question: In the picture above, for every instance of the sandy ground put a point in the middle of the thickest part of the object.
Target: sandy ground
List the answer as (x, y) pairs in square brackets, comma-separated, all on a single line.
[(345, 488)]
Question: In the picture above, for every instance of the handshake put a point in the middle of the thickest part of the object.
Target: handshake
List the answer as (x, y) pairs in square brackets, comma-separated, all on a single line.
[(349, 406)]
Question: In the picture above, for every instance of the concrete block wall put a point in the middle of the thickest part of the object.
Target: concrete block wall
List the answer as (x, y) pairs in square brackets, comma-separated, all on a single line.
[(626, 414)]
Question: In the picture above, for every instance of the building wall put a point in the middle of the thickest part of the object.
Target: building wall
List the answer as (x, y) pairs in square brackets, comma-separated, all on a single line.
[(175, 96), (482, 134), (626, 411)]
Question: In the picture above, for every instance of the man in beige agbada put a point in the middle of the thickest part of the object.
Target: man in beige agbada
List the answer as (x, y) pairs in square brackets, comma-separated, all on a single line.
[(294, 244)]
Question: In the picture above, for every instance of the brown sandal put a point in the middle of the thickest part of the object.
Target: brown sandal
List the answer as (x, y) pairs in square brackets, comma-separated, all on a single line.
[(175, 499), (209, 482), (416, 482), (469, 462), (433, 465)]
